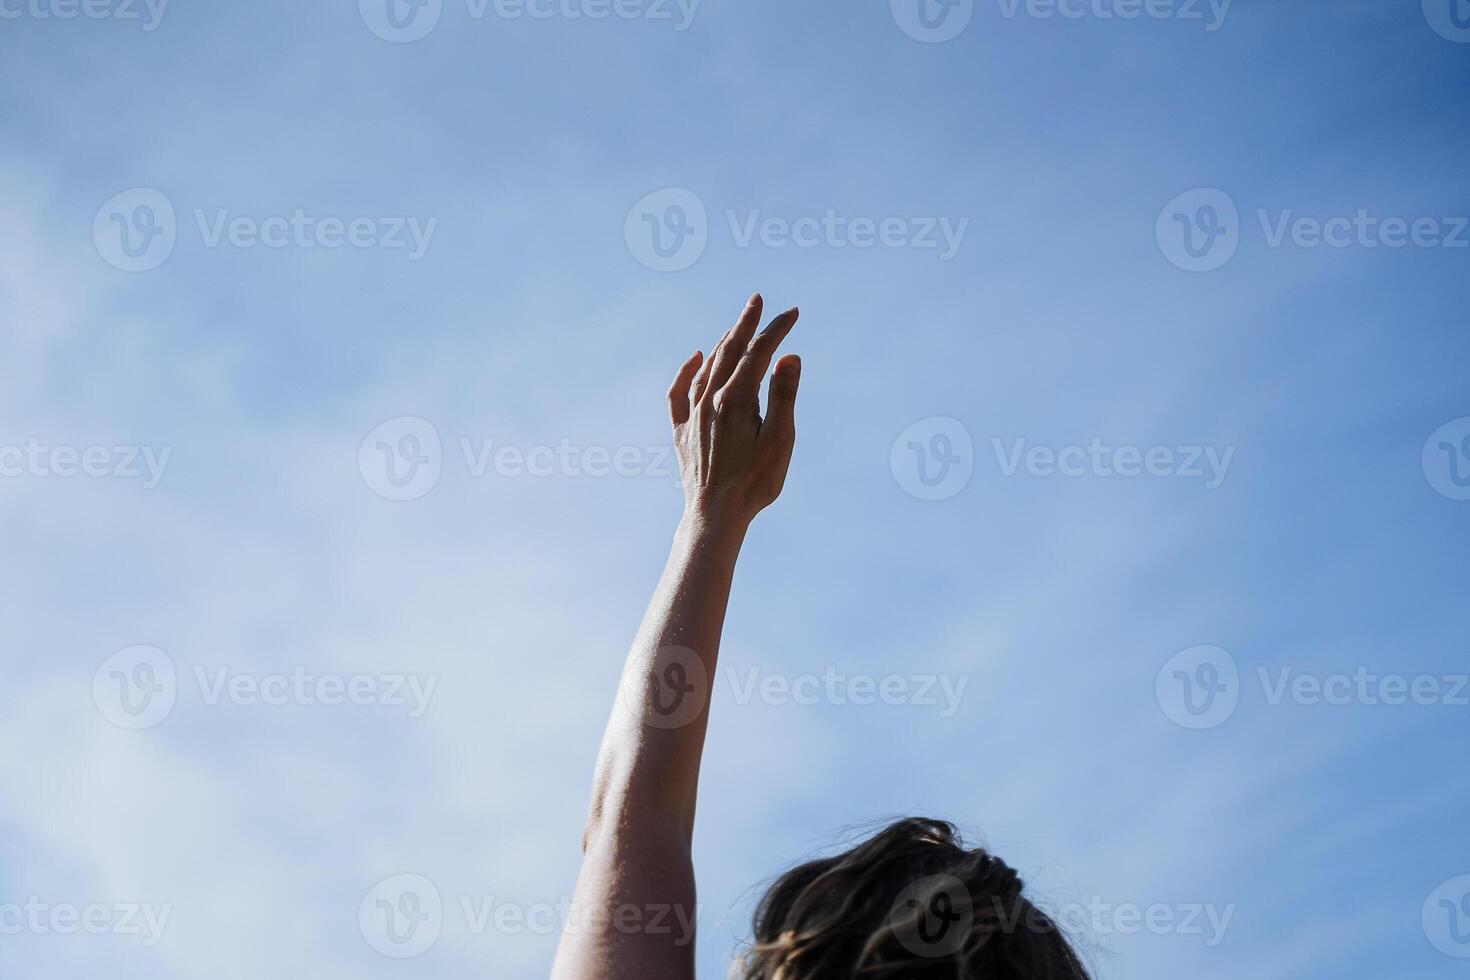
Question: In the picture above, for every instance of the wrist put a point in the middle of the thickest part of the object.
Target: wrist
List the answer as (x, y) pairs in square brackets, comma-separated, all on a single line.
[(708, 527)]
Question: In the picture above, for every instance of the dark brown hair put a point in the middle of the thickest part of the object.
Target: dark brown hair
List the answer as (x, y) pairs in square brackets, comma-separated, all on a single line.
[(911, 901)]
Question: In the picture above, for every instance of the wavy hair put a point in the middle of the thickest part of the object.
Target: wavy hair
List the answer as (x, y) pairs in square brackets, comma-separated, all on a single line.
[(909, 902)]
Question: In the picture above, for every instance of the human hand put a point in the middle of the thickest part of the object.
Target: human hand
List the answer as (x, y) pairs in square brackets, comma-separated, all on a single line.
[(732, 461)]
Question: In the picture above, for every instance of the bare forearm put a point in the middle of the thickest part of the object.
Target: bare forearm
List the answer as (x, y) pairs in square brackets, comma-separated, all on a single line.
[(688, 607), (651, 751), (638, 832)]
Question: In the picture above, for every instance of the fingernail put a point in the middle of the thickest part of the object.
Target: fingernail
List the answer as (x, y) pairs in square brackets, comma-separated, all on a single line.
[(792, 364), (754, 299)]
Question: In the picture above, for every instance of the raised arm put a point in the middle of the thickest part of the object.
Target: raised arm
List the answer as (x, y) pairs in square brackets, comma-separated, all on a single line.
[(633, 911)]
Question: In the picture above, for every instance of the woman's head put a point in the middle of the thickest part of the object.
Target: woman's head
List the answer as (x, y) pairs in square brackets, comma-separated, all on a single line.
[(911, 901)]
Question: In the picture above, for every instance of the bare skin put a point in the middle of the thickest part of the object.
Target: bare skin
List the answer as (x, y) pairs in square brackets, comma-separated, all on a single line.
[(634, 905)]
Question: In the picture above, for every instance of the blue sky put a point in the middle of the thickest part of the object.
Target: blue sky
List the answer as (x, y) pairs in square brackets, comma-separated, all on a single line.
[(1064, 330)]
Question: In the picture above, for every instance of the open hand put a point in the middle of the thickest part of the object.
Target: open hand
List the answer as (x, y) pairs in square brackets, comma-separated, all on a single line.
[(732, 461)]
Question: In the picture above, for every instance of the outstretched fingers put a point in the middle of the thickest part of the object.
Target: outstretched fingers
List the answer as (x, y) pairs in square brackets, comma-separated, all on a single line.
[(745, 381), (679, 390), (727, 352)]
